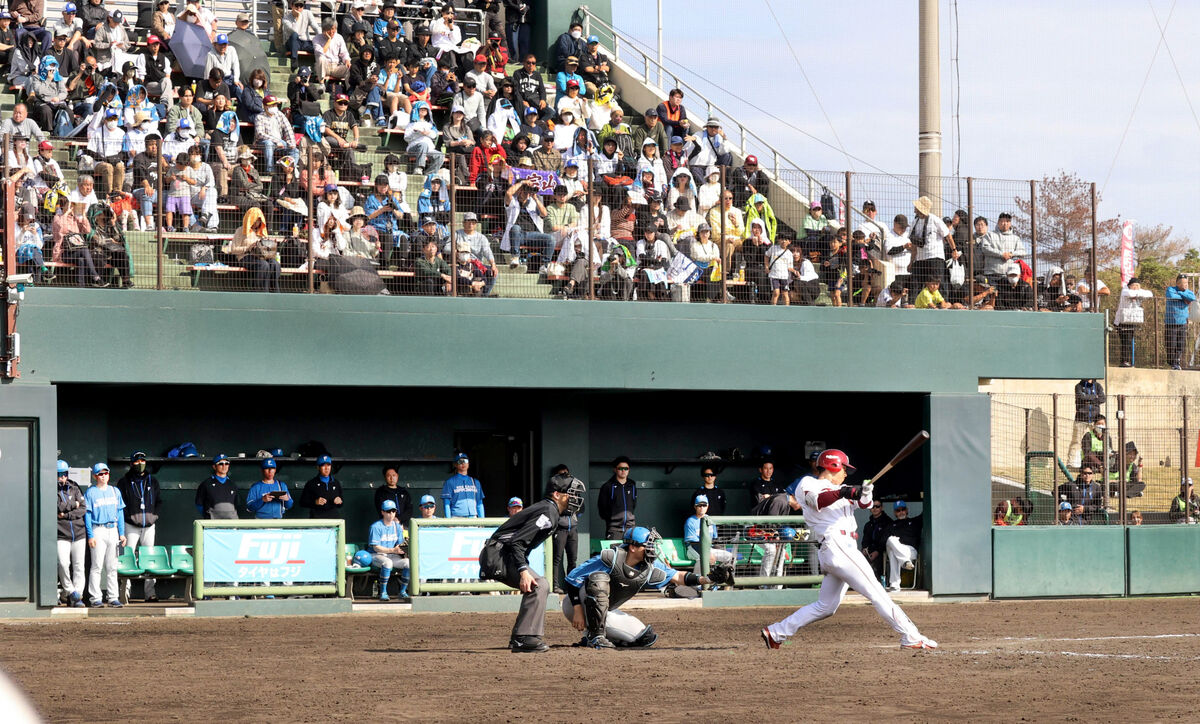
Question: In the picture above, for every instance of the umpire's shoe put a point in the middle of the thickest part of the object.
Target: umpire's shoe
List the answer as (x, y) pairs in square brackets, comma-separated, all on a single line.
[(528, 645)]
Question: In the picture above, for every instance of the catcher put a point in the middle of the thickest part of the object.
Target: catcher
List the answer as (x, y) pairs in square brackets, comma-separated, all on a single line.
[(597, 587)]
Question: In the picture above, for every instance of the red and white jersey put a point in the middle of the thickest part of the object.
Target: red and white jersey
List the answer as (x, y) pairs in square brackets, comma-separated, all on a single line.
[(825, 510)]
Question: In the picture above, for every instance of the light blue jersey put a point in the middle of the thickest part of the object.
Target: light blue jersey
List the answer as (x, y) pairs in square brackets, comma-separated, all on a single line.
[(104, 509)]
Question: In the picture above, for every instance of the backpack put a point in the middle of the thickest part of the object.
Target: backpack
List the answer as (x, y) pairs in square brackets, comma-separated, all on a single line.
[(828, 206)]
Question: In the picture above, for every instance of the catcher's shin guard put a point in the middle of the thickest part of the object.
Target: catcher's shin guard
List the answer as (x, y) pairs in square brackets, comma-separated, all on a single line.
[(595, 603)]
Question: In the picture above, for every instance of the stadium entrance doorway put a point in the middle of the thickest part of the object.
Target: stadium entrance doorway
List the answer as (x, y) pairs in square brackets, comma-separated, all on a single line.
[(502, 462)]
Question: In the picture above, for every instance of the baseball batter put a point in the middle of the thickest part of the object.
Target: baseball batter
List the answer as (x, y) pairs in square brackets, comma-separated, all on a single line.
[(828, 508)]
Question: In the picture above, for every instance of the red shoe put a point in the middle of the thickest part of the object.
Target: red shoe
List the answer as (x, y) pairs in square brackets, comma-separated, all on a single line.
[(769, 640)]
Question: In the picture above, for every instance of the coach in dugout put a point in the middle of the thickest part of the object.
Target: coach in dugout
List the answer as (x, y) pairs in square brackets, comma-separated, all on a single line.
[(322, 494), (504, 558)]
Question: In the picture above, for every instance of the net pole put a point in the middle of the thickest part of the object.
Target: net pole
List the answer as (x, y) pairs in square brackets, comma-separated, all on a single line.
[(160, 247), (312, 220), (453, 239)]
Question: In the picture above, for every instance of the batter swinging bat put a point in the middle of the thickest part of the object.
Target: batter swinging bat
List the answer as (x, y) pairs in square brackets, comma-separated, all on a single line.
[(918, 440)]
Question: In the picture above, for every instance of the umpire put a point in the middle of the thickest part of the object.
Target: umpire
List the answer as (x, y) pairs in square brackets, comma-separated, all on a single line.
[(504, 558)]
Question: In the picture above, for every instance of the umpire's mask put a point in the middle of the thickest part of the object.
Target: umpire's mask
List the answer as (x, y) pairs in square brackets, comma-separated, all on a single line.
[(570, 485)]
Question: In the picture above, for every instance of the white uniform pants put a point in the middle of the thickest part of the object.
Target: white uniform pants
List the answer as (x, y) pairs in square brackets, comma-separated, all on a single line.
[(104, 554), (135, 536), (772, 561), (70, 565), (618, 626), (898, 554), (389, 560), (845, 566), (718, 556)]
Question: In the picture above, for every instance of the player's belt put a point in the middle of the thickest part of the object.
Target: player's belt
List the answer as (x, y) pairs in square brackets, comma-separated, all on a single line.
[(107, 525)]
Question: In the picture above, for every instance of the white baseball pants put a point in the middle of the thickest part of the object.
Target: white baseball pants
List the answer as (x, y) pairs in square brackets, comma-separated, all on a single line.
[(845, 567), (104, 555), (389, 560), (70, 565), (618, 626), (898, 554), (135, 536)]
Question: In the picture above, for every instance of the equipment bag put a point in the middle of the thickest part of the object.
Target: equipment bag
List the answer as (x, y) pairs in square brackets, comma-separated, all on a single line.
[(491, 561)]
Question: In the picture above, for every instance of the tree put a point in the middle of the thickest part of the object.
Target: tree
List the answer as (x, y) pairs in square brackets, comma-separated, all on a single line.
[(1064, 222), (1150, 243), (1190, 263)]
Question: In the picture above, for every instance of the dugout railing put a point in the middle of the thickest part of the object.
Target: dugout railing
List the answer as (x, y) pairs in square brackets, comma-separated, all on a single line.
[(457, 559), (761, 545)]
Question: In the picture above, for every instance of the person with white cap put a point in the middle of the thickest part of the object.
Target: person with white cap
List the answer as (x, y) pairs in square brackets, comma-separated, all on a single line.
[(1185, 508), (386, 540), (708, 147), (470, 239), (1014, 293), (104, 520), (72, 536), (691, 535), (929, 240), (353, 19)]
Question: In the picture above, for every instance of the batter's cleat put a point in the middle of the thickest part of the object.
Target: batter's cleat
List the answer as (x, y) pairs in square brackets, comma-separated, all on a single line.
[(921, 644), (528, 645), (768, 639), (600, 642)]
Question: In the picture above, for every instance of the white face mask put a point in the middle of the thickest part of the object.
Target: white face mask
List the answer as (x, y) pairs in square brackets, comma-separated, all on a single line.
[(148, 126), (577, 34), (111, 124), (185, 133)]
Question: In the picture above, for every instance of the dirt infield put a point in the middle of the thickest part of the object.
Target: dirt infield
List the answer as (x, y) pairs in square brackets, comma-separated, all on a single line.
[(1096, 659)]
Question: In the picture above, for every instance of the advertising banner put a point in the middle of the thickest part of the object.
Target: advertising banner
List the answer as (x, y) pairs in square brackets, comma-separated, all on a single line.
[(270, 555), (453, 553)]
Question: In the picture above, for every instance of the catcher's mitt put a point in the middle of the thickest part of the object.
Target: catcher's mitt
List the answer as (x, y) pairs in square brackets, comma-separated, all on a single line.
[(721, 575)]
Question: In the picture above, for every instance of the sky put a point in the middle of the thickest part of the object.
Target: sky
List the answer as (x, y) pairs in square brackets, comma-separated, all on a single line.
[(1044, 87)]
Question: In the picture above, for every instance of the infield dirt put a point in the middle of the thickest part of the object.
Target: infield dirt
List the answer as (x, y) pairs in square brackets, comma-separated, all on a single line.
[(1099, 660)]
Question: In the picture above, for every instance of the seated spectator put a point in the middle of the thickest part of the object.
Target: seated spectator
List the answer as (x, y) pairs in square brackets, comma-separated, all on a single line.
[(253, 249), (806, 286), (388, 550), (1130, 317), (525, 226), (225, 59), (503, 122), (20, 165), (272, 130), (386, 212), (354, 20), (1185, 507), (111, 39), (903, 543), (758, 208), (569, 44), (496, 56), (107, 244), (332, 56), (162, 23), (70, 230), (446, 36), (477, 245), (930, 297), (708, 148), (225, 137), (330, 206), (269, 498), (704, 252), (434, 200), (361, 240), (530, 88), (203, 183), (70, 29), (207, 92), (691, 534), (300, 30), (1088, 494), (122, 206), (895, 295), (29, 245), (1065, 515), (1179, 298), (8, 40), (515, 505), (1054, 296), (1135, 517), (682, 220), (106, 144), (19, 124), (815, 222), (246, 186), (746, 181), (433, 279), (729, 218), (185, 109), (422, 137), (46, 96), (1014, 293)]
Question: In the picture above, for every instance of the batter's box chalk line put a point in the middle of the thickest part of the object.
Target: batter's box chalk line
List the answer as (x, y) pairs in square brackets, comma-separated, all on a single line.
[(1142, 637), (1078, 654)]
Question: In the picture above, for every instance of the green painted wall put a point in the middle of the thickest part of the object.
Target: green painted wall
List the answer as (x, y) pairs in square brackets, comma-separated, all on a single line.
[(1164, 559), (1048, 561), (551, 18), (957, 551), (33, 407), (230, 338)]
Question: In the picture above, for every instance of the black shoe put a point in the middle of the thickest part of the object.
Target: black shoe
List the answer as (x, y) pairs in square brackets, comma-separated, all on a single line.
[(128, 284), (152, 599), (528, 645)]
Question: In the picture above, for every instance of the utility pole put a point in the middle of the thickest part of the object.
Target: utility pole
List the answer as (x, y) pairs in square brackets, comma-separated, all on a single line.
[(929, 131)]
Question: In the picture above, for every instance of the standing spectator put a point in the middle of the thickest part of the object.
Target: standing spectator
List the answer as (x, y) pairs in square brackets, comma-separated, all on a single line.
[(269, 498), (1089, 401), (569, 44), (524, 224), (1085, 291), (874, 537), (517, 28), (322, 493), (1129, 318), (691, 535), (462, 495), (1015, 293), (993, 253), (216, 497), (392, 491), (105, 524), (566, 537), (1176, 319), (388, 552), (927, 241), (708, 488), (903, 543), (1185, 507), (72, 534), (142, 499), (617, 500), (781, 268)]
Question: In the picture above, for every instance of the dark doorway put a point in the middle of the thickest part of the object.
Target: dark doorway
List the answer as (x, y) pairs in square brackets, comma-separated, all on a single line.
[(501, 461)]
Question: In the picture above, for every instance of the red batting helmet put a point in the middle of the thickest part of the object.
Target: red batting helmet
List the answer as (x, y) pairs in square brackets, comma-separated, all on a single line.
[(835, 460)]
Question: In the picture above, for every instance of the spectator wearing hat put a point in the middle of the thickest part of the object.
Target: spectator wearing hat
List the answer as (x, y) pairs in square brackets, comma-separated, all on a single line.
[(569, 44), (361, 240), (530, 89), (1066, 516), (515, 505), (385, 214), (485, 84), (269, 498), (104, 520), (354, 19), (562, 218), (392, 491), (342, 135), (158, 71), (142, 501), (495, 55), (225, 59), (387, 539), (322, 493), (691, 534), (985, 294), (570, 72), (332, 56), (462, 495), (1015, 293), (746, 181), (216, 496), (110, 37), (708, 148), (1185, 507), (470, 239), (245, 184), (60, 50), (70, 27), (72, 536), (1129, 317), (427, 507), (300, 30), (594, 67), (654, 128), (929, 239), (903, 543), (1179, 298), (162, 22)]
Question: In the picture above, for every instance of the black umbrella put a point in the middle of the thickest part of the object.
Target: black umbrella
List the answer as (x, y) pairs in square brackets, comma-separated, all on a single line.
[(250, 53)]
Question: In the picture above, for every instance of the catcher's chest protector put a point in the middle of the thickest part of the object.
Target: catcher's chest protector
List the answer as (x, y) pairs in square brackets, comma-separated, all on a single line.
[(626, 581)]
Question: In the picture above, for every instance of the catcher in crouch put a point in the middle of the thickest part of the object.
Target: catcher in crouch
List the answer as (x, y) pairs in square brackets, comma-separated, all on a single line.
[(597, 587)]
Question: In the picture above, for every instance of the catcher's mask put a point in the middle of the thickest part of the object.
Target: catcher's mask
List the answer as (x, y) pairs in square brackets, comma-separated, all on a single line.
[(647, 537), (570, 485)]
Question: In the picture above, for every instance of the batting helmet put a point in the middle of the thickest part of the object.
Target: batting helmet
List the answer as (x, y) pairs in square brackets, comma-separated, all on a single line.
[(363, 558), (787, 533), (835, 460), (647, 537), (63, 468)]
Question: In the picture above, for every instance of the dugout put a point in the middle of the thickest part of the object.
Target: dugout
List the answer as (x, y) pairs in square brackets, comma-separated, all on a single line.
[(532, 383)]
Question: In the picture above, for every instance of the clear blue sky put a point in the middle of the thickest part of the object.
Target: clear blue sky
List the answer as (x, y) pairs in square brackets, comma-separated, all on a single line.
[(1044, 86)]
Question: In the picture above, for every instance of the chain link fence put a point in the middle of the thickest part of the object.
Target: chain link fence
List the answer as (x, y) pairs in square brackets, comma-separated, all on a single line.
[(1050, 466)]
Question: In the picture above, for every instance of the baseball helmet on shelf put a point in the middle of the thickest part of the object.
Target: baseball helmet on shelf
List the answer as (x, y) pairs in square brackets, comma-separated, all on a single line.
[(835, 460), (787, 534), (363, 558)]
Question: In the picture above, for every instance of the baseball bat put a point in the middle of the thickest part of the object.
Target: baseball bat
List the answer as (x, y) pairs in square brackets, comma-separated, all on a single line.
[(918, 440)]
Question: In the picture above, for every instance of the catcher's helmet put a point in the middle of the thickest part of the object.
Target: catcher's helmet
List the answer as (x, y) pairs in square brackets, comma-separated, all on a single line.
[(787, 534), (572, 486), (647, 537), (835, 460), (363, 558)]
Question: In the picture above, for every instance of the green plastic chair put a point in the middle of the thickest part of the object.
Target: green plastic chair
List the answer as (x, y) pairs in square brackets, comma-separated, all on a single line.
[(127, 564), (154, 560), (181, 560), (671, 551), (351, 549)]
